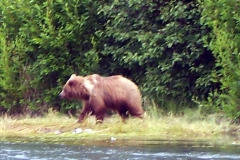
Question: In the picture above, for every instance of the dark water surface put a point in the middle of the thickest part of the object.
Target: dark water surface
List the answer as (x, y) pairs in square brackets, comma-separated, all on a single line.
[(117, 150)]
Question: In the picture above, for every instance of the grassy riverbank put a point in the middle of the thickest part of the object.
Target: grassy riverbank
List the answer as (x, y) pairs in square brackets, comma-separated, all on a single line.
[(56, 127)]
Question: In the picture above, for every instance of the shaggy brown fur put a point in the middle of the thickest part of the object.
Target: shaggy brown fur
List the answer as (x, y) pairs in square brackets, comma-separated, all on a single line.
[(101, 93)]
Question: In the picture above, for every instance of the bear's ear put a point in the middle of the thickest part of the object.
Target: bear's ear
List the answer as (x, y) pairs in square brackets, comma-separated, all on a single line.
[(73, 75), (72, 83)]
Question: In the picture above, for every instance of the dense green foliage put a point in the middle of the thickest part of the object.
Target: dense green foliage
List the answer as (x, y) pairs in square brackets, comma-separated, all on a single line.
[(159, 45), (168, 48), (42, 44), (223, 16)]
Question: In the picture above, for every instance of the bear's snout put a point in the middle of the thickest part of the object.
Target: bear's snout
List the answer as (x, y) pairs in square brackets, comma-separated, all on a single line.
[(62, 95)]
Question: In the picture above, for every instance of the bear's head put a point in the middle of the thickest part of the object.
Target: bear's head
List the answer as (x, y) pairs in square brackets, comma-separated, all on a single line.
[(75, 88)]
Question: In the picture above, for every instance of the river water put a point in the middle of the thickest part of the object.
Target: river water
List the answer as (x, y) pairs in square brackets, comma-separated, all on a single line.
[(117, 150)]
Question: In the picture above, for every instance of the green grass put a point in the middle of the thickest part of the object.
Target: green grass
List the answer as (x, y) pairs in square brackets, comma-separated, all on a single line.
[(55, 127)]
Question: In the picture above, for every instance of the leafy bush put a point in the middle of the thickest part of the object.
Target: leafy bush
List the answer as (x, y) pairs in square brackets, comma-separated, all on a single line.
[(223, 17), (42, 44), (13, 59), (160, 45)]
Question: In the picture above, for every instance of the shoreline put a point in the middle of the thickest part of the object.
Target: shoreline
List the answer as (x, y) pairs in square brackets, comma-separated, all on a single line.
[(219, 142), (55, 128)]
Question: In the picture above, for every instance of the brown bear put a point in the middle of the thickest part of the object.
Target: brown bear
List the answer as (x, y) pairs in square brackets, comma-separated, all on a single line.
[(101, 93)]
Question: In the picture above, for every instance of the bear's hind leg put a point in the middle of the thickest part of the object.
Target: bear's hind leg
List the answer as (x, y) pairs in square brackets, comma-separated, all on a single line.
[(136, 111), (123, 113)]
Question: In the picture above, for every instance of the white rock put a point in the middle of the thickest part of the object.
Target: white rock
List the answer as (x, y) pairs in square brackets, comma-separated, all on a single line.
[(77, 131), (88, 130), (57, 132), (113, 139)]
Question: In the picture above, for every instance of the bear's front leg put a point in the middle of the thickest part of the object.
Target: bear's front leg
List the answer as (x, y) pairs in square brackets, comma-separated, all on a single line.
[(85, 112), (98, 108), (100, 113)]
